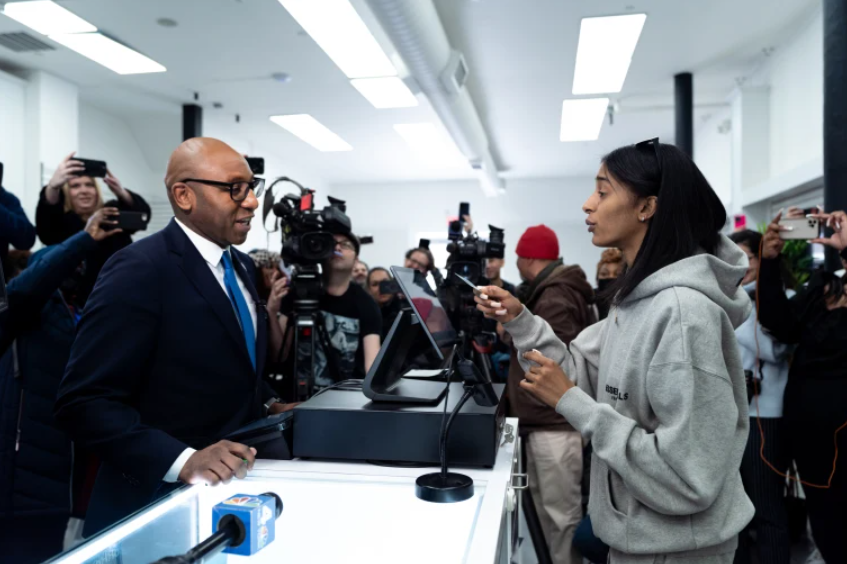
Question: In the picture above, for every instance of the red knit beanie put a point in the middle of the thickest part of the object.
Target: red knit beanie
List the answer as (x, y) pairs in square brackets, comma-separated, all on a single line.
[(538, 242)]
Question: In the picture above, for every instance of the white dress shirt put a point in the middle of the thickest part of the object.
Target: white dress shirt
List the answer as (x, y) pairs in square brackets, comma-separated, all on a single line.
[(212, 253)]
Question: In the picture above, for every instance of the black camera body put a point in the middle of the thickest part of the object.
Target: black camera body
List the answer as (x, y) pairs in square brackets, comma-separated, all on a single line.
[(307, 233), (467, 254)]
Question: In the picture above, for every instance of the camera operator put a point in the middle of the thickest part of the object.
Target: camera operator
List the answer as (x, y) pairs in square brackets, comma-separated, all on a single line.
[(350, 317), (379, 280), (34, 500), (765, 361), (493, 267), (815, 397), (69, 200)]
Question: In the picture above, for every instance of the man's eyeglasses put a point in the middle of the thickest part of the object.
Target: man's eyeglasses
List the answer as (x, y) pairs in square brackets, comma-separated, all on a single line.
[(345, 245), (237, 190), (654, 144)]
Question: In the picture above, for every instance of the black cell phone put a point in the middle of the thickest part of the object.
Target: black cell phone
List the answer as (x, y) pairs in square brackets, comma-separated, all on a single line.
[(389, 287), (464, 209), (94, 169), (130, 221), (423, 244), (257, 164)]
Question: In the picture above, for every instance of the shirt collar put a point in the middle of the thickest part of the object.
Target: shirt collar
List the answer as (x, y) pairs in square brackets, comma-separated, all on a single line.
[(210, 251)]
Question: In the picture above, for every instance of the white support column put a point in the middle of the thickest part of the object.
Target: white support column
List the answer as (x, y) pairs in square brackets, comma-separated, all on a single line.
[(750, 141), (52, 131)]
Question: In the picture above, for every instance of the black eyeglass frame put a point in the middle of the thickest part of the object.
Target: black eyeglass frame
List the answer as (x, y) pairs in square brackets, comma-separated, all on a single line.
[(256, 184)]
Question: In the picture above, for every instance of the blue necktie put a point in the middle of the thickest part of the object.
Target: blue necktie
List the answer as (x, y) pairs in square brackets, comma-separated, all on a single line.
[(240, 304)]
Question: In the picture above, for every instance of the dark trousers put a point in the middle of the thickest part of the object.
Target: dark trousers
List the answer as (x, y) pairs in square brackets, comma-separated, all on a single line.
[(766, 490), (30, 540), (814, 409)]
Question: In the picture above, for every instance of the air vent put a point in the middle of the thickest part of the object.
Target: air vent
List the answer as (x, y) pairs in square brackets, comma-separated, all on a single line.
[(23, 43)]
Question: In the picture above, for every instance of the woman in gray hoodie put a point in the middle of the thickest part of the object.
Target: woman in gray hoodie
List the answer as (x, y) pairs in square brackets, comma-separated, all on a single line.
[(658, 386)]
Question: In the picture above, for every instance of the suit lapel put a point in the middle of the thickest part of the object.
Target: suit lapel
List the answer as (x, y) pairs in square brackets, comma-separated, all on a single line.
[(261, 314), (198, 273)]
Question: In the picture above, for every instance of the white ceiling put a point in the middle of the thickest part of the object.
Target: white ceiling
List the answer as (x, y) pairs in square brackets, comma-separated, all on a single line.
[(520, 52)]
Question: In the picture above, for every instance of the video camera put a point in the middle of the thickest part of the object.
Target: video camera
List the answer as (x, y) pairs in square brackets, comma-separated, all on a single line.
[(467, 254), (307, 233)]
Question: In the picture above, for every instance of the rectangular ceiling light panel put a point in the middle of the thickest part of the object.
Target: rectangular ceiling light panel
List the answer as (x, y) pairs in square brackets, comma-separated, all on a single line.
[(389, 92), (582, 119), (604, 53), (340, 32), (312, 131), (47, 17), (109, 53)]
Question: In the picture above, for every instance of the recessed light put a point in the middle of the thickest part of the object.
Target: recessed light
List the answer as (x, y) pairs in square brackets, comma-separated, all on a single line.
[(47, 17), (388, 92), (337, 29), (605, 52), (312, 132), (109, 53), (582, 119)]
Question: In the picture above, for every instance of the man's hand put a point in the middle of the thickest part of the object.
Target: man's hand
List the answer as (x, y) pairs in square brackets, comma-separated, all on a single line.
[(280, 407), (497, 303), (101, 218), (547, 381), (66, 170), (218, 463), (771, 242), (836, 220)]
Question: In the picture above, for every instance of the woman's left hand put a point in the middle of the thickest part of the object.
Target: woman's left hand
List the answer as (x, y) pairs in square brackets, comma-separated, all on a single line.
[(116, 187), (546, 381)]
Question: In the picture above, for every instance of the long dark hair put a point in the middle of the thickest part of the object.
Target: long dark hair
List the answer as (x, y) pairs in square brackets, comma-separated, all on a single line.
[(689, 215)]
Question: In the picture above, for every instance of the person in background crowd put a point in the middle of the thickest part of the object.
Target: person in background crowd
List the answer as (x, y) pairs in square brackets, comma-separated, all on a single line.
[(170, 352), (66, 204), (420, 259), (389, 304), (608, 270), (267, 271), (562, 296), (661, 392), (38, 498), (272, 285), (15, 227), (350, 318), (493, 266), (816, 395), (360, 274), (765, 362)]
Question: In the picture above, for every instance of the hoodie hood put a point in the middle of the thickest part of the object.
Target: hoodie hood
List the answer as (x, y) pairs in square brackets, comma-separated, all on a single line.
[(572, 277), (717, 276)]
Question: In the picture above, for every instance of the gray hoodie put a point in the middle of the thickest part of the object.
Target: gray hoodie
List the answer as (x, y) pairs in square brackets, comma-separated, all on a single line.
[(661, 395)]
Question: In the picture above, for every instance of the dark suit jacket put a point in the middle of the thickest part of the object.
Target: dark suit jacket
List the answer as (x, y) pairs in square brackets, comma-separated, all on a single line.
[(159, 364)]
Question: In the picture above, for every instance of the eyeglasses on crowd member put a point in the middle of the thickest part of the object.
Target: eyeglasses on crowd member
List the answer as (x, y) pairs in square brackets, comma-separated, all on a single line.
[(420, 259), (658, 386), (69, 200)]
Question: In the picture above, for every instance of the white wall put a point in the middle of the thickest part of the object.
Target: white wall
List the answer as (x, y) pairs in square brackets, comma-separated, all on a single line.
[(396, 213), (12, 112), (713, 154), (796, 105)]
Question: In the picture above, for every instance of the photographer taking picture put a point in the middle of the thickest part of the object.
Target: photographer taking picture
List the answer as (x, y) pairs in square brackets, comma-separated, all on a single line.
[(657, 387), (350, 317), (816, 395), (69, 200)]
